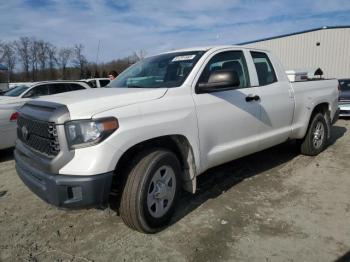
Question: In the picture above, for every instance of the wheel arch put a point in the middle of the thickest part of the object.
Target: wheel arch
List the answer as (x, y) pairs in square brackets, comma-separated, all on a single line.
[(178, 144), (325, 110)]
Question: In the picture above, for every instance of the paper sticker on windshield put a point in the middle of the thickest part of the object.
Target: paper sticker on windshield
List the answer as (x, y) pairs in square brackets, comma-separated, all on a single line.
[(183, 58)]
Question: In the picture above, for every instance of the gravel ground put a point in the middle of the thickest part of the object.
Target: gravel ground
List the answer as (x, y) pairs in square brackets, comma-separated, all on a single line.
[(275, 205)]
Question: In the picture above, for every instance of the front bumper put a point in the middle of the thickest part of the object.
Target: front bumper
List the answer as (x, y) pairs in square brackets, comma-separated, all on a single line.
[(64, 190), (344, 109)]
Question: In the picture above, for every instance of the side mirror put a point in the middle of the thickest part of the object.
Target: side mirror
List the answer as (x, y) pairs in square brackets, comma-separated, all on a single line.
[(29, 94), (219, 80)]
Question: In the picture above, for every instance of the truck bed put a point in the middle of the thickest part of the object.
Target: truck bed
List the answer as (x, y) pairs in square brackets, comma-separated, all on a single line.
[(310, 93)]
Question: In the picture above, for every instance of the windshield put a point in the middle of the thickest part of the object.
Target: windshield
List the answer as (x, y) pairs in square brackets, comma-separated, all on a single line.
[(166, 70), (16, 91)]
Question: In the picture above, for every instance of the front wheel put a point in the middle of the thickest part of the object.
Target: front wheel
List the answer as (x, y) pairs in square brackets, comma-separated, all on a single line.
[(316, 138), (151, 191)]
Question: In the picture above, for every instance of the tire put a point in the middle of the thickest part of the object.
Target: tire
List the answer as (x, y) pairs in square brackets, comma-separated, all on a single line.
[(151, 191), (316, 138)]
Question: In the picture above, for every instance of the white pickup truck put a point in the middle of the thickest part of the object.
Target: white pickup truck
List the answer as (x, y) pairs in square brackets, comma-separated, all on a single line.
[(163, 122)]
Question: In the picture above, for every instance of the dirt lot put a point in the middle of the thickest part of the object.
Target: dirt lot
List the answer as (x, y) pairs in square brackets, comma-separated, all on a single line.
[(272, 206)]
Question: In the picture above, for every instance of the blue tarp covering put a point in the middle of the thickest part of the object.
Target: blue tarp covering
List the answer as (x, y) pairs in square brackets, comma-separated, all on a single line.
[(2, 67)]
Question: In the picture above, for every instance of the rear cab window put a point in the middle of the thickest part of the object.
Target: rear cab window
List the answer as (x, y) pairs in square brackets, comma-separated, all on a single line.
[(264, 68)]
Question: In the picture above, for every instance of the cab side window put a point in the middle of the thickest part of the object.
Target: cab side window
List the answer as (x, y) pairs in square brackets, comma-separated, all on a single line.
[(228, 60), (58, 88), (264, 69), (41, 90), (74, 87)]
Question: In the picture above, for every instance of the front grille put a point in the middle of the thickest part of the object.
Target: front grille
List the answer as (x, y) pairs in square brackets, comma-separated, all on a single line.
[(39, 135)]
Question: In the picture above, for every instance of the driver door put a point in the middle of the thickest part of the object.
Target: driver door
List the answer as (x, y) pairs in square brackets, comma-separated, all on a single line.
[(228, 123)]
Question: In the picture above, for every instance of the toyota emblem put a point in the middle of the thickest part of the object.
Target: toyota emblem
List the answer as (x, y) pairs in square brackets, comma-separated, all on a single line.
[(25, 133)]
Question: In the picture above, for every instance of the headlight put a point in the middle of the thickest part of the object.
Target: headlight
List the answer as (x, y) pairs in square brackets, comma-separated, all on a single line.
[(83, 133)]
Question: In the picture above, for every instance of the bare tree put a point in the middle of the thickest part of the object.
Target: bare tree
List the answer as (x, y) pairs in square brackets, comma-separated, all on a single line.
[(136, 56), (139, 55), (43, 54), (79, 60), (63, 58), (1, 49), (34, 57), (41, 60), (23, 51), (52, 59), (8, 57)]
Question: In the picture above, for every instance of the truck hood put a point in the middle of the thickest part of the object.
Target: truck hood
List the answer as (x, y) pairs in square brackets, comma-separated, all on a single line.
[(86, 103)]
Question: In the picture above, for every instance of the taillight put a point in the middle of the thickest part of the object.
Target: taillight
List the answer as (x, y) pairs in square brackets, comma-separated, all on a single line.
[(14, 116)]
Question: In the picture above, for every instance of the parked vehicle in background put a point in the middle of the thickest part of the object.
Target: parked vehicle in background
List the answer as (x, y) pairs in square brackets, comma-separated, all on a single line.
[(3, 92), (14, 84), (17, 96), (344, 97), (4, 87), (97, 82), (162, 122)]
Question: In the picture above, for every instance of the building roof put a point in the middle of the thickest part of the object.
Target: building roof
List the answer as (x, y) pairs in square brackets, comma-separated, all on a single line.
[(2, 67), (296, 33)]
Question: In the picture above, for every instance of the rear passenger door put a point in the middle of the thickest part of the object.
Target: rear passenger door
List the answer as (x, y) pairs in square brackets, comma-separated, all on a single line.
[(276, 103)]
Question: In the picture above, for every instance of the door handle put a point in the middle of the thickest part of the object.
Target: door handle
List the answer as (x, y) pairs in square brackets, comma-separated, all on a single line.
[(250, 98)]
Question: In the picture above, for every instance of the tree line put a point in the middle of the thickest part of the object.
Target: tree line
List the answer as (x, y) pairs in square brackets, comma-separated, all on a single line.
[(29, 59)]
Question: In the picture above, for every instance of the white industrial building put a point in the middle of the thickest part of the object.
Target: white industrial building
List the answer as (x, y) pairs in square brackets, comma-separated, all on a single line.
[(327, 48)]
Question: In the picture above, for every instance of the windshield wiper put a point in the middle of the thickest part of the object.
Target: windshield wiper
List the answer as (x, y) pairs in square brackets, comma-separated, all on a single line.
[(135, 86)]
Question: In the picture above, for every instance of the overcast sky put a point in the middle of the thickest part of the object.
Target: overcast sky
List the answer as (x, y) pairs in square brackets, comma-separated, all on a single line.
[(128, 25)]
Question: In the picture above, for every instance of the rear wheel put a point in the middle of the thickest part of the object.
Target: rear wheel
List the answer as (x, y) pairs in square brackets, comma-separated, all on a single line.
[(151, 191), (316, 138)]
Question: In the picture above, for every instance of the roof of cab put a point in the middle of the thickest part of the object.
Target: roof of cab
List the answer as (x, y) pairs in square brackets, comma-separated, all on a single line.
[(206, 48)]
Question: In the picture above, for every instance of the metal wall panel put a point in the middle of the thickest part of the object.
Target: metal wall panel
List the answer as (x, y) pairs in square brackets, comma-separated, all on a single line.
[(300, 51)]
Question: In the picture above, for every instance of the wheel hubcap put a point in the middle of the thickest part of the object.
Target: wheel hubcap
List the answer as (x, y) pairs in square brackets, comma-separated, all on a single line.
[(161, 191), (318, 135)]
